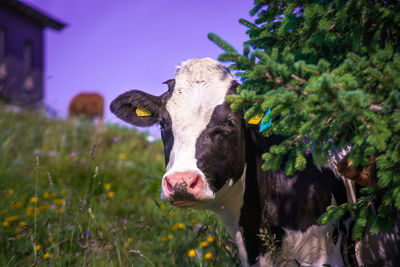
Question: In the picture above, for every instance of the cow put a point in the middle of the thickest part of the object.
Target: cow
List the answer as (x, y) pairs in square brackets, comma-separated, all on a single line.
[(213, 161), (87, 105)]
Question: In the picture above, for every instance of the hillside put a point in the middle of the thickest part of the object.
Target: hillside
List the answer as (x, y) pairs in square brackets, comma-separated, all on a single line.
[(73, 194)]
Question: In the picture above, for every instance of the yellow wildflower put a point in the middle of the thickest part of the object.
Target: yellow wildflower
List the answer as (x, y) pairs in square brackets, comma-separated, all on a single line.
[(110, 194), (18, 237), (34, 199), (16, 204), (191, 253), (122, 156), (167, 237), (107, 186), (59, 201), (51, 239), (64, 191), (10, 192), (203, 244), (46, 148), (5, 224), (130, 239), (163, 207), (208, 256), (22, 223), (4, 212), (17, 230), (29, 211), (38, 247), (46, 255), (53, 195), (177, 226), (210, 239), (12, 218), (46, 194), (59, 211)]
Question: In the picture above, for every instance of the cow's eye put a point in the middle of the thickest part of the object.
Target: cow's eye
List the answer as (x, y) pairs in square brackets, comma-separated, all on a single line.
[(218, 131), (224, 129)]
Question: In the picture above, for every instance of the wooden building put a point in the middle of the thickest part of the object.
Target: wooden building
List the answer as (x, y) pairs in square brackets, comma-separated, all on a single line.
[(22, 52)]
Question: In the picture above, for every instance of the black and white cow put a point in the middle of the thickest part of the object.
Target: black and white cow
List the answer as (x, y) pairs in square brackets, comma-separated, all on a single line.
[(213, 161)]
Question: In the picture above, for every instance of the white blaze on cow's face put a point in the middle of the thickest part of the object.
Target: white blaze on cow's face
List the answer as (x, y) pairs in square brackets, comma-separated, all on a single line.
[(200, 86)]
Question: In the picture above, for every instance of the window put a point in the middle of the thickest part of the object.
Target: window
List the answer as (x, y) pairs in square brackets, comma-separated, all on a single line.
[(28, 56), (28, 65), (3, 71), (2, 44)]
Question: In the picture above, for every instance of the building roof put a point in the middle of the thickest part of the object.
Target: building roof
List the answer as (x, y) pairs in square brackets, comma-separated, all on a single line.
[(32, 13)]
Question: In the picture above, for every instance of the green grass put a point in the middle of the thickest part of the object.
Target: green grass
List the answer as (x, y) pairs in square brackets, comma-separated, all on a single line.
[(72, 194)]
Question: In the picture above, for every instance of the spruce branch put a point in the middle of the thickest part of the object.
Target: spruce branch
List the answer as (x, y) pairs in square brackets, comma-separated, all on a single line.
[(221, 43), (248, 24), (288, 86), (302, 81)]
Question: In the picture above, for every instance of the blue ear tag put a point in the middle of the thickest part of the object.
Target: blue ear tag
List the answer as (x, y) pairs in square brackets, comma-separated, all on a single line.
[(265, 125)]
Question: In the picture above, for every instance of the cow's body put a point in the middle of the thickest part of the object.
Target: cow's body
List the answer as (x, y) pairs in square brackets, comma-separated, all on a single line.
[(87, 105), (213, 161), (288, 209)]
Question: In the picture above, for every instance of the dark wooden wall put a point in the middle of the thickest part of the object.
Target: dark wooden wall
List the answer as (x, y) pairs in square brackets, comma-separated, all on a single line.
[(15, 87)]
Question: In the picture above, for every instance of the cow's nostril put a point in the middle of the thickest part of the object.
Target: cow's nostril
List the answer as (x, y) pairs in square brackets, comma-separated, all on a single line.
[(193, 185), (169, 186)]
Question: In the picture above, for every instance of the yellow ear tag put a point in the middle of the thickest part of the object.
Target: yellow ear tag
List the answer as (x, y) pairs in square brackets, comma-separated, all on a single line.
[(255, 119), (143, 112)]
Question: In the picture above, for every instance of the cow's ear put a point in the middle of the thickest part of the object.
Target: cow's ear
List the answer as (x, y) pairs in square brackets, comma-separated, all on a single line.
[(137, 108)]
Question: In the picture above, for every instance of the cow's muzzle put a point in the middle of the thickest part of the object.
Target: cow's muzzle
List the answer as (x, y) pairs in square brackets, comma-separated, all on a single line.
[(183, 186)]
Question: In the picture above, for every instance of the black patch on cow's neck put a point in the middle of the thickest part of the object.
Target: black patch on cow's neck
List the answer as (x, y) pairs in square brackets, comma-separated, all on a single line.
[(294, 202), (250, 217), (274, 201)]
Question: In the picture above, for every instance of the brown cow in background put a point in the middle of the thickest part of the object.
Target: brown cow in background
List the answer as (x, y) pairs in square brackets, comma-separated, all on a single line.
[(87, 105)]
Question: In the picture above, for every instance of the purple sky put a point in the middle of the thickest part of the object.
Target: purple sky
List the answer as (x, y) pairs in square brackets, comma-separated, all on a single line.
[(113, 46)]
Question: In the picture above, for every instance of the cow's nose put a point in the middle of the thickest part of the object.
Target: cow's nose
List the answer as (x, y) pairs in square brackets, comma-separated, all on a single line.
[(183, 185)]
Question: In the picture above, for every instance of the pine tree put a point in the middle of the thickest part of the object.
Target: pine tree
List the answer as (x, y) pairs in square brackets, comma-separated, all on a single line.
[(329, 71)]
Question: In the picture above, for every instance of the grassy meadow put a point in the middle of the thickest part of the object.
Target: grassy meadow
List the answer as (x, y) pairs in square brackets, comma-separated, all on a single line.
[(72, 194)]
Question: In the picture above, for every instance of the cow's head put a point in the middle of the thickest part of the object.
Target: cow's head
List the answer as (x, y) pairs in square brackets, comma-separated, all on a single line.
[(203, 139)]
